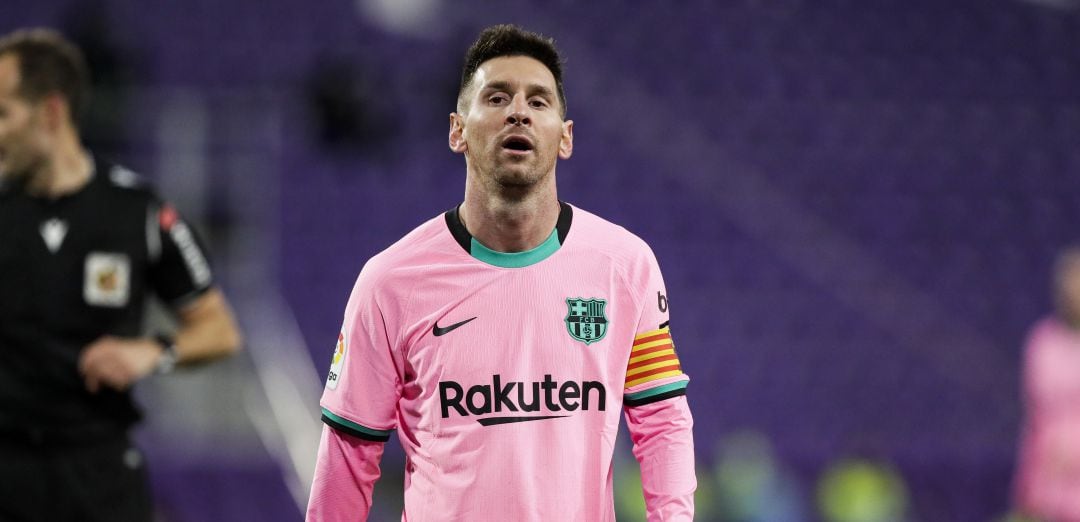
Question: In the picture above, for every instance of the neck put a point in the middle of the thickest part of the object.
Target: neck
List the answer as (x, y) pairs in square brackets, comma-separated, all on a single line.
[(66, 170), (510, 224)]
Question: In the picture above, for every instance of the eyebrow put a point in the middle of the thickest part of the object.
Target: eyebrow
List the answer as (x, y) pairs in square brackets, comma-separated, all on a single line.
[(531, 90)]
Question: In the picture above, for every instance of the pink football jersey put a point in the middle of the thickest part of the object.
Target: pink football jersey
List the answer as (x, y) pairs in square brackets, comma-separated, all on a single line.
[(505, 376), (1048, 480)]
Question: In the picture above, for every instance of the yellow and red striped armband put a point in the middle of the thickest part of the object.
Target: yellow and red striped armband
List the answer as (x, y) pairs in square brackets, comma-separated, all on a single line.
[(652, 358)]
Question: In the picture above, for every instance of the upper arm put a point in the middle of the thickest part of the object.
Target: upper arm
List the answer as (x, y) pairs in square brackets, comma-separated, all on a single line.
[(179, 267), (365, 378), (209, 306), (653, 372)]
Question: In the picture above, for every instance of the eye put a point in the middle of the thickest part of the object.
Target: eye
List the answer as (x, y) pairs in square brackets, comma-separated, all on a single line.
[(498, 99), (538, 103)]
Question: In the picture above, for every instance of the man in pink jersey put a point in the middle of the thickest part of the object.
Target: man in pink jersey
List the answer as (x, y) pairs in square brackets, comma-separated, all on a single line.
[(1048, 472), (504, 339)]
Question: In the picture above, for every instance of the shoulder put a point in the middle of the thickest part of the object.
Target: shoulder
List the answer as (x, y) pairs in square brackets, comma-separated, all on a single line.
[(1046, 339), (426, 244), (123, 182), (608, 239), (594, 241), (1046, 329)]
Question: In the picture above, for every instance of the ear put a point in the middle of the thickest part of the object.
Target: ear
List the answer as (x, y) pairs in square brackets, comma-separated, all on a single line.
[(55, 110), (457, 133), (566, 142)]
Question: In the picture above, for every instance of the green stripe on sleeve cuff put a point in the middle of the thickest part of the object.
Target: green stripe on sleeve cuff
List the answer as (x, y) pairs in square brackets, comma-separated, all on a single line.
[(658, 393), (345, 425)]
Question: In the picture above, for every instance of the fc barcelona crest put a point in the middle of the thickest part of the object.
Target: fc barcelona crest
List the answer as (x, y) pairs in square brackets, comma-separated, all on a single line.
[(585, 319)]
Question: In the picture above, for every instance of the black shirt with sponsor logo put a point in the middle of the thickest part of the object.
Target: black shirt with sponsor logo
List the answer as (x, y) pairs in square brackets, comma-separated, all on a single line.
[(73, 269)]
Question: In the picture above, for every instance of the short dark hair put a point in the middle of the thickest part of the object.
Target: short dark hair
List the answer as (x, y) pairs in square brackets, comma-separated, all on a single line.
[(511, 40), (48, 64)]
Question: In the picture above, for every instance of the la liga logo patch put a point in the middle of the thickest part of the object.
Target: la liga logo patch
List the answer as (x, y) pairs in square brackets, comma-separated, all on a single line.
[(337, 364)]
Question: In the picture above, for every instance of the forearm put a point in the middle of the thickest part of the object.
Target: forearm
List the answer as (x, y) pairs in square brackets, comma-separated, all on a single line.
[(345, 473), (207, 330), (662, 433)]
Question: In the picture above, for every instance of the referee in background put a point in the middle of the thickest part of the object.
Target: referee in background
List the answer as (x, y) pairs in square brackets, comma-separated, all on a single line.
[(82, 246)]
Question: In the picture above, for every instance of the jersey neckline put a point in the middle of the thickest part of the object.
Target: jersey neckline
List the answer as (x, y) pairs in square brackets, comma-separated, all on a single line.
[(510, 259)]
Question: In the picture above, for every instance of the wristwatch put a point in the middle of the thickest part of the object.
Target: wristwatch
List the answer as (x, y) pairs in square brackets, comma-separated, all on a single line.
[(167, 361)]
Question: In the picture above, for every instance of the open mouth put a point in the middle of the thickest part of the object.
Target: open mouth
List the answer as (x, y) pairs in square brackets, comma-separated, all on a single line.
[(517, 144)]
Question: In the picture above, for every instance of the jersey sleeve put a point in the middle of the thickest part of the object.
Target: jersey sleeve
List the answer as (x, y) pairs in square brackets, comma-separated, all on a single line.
[(364, 382), (653, 372), (179, 269), (345, 474), (657, 413), (359, 405)]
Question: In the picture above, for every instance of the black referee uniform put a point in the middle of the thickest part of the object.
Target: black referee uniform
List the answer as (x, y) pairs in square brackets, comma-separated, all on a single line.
[(73, 269)]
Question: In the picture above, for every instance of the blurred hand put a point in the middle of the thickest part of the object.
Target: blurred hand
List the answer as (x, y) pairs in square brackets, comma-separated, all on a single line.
[(117, 363)]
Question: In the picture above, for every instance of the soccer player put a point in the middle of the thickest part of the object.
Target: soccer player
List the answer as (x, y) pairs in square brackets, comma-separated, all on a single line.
[(83, 244), (504, 339), (1048, 471)]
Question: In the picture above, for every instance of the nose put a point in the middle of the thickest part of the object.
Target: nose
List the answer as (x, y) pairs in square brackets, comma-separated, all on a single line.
[(519, 112)]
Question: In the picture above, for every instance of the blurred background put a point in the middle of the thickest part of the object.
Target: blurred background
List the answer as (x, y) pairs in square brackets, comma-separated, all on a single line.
[(856, 206)]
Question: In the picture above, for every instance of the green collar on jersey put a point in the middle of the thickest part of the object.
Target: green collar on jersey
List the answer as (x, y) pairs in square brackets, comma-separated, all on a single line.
[(511, 259)]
